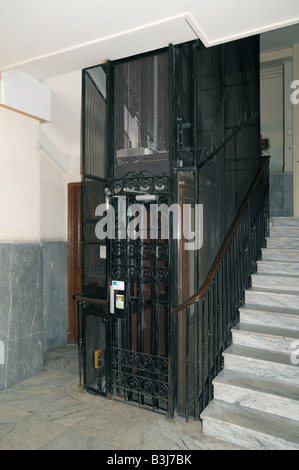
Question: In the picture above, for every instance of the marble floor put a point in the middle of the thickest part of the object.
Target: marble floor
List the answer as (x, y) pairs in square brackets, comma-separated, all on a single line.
[(50, 411)]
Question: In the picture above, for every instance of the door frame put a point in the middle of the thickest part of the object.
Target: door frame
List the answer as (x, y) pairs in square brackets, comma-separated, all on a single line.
[(74, 250)]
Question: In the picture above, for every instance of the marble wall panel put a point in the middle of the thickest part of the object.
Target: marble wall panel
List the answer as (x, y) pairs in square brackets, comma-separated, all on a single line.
[(33, 306)]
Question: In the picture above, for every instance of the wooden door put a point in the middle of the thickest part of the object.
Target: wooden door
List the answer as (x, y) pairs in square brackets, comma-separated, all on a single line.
[(74, 256)]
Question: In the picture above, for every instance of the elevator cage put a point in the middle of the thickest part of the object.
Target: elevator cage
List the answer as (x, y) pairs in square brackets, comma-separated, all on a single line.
[(170, 129)]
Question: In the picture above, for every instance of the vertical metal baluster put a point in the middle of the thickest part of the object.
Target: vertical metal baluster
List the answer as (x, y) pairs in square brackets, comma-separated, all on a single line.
[(204, 352), (211, 339), (223, 268), (187, 362)]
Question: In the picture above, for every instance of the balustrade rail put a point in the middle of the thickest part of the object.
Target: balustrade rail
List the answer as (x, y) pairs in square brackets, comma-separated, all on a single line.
[(206, 319)]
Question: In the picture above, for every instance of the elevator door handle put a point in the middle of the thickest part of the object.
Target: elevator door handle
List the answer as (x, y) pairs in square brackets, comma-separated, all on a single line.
[(111, 300)]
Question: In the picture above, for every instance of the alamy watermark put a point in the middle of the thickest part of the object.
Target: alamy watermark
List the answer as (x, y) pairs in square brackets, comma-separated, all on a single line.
[(2, 353), (295, 94), (160, 222), (295, 353)]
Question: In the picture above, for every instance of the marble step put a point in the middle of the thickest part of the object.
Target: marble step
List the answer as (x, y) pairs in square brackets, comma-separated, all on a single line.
[(255, 392), (261, 362), (284, 221), (291, 243), (269, 281), (280, 254), (251, 429), (265, 337), (276, 317), (284, 232), (279, 267), (272, 298)]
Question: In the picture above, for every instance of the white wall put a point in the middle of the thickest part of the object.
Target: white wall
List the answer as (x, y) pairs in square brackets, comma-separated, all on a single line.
[(53, 200), (19, 177)]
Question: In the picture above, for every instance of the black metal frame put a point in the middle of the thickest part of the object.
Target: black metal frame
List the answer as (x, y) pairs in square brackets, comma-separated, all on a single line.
[(196, 335), (138, 264)]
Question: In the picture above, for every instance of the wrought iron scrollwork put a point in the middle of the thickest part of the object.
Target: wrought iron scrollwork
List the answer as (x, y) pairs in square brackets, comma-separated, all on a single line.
[(127, 250), (144, 274), (140, 373), (143, 182)]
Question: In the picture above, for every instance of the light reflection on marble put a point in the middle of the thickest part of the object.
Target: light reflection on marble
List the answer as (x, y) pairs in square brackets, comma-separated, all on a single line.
[(265, 363), (280, 254), (256, 392), (270, 298), (283, 243), (279, 267), (250, 427), (50, 411)]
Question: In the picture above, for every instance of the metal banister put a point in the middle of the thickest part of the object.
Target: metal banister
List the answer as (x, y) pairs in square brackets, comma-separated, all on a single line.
[(210, 276)]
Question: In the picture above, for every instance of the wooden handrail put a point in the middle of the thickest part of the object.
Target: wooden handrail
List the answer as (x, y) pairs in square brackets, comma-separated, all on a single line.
[(91, 300), (210, 276)]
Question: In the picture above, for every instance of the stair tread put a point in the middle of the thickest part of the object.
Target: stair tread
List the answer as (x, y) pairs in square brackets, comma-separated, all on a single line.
[(283, 238), (285, 429), (266, 355), (290, 255), (266, 330), (266, 290), (285, 227), (271, 263), (284, 221), (283, 250), (269, 309), (258, 383), (276, 275)]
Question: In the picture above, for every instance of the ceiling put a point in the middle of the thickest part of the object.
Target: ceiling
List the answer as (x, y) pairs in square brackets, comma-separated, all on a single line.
[(52, 40), (46, 38)]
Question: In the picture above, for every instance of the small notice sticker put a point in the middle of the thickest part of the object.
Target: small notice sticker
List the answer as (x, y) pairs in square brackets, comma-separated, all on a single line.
[(120, 301)]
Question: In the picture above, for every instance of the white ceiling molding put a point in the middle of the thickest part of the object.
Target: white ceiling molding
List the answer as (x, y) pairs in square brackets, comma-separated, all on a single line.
[(49, 38), (250, 32), (153, 36)]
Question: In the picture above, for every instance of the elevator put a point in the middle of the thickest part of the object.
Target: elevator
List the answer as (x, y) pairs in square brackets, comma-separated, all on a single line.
[(149, 125)]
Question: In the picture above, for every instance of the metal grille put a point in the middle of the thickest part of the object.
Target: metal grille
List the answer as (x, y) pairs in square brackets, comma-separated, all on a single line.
[(140, 377), (140, 338), (142, 182), (126, 253), (95, 122)]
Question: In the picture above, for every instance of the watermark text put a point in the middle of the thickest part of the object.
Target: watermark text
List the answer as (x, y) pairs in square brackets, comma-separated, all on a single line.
[(160, 222)]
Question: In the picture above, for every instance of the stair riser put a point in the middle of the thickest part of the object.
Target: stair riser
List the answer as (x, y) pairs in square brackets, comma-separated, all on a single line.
[(285, 222), (270, 299), (282, 232), (280, 255), (283, 345), (253, 399), (275, 282), (287, 243), (272, 267), (244, 437), (270, 370), (270, 319)]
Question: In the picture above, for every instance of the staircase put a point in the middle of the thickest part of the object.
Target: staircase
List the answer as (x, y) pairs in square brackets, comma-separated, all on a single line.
[(256, 396)]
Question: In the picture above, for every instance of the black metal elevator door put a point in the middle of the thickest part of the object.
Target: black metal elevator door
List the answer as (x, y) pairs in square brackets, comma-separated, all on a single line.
[(139, 257)]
